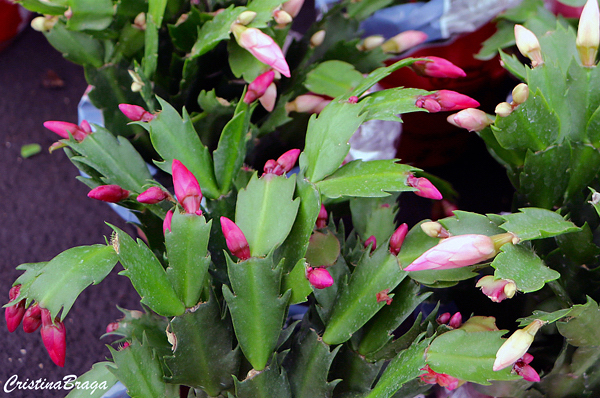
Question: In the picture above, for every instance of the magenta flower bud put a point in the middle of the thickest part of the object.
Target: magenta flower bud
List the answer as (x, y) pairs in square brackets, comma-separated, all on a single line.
[(109, 193), (292, 7), (111, 327), (437, 67), (322, 218), (167, 222), (497, 289), (136, 113), (455, 321), (442, 379), (54, 338), (269, 98), (235, 239), (262, 47), (446, 100), (283, 164), (14, 313), (424, 187), (319, 277), (258, 87), (398, 238), (187, 188), (522, 368), (471, 119), (454, 252), (32, 319), (371, 240), (64, 128), (384, 296), (152, 196)]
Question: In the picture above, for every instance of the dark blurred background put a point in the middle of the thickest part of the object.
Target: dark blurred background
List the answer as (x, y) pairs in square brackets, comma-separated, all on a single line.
[(45, 210)]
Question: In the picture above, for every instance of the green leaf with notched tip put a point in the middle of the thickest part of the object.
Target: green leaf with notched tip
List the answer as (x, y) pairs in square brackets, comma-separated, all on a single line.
[(534, 223), (332, 78), (524, 267), (147, 276), (58, 284), (581, 329), (389, 104)]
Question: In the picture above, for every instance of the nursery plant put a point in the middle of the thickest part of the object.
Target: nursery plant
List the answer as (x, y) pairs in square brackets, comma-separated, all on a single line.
[(260, 278)]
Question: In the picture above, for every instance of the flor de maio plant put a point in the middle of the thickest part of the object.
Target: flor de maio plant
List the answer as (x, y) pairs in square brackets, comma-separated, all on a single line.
[(228, 250)]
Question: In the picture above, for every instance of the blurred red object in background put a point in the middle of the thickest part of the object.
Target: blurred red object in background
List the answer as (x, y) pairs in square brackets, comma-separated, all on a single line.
[(13, 19)]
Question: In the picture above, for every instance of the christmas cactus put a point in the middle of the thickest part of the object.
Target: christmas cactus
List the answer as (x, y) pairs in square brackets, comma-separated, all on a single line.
[(251, 284)]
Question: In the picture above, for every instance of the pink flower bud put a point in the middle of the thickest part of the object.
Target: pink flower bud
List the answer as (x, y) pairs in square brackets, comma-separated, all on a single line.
[(437, 67), (322, 218), (152, 196), (167, 222), (307, 103), (262, 47), (398, 238), (442, 379), (516, 345), (588, 33), (54, 338), (497, 289), (109, 193), (235, 239), (470, 119), (384, 296), (14, 313), (371, 240), (136, 113), (528, 45), (404, 41), (445, 100), (283, 164), (269, 98), (111, 327), (292, 7), (258, 87), (187, 188), (522, 368), (424, 187), (444, 318), (319, 277), (64, 128), (32, 319), (455, 321), (454, 252)]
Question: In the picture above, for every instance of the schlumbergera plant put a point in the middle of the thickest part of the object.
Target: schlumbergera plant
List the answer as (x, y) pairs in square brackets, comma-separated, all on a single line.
[(229, 255)]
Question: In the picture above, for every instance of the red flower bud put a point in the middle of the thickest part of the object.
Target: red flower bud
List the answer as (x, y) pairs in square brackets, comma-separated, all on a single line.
[(398, 238), (187, 188), (424, 187), (445, 100), (437, 67), (54, 338), (136, 113), (32, 319), (322, 218), (167, 222), (235, 239), (152, 196), (64, 128), (283, 164), (319, 277), (14, 313), (259, 86), (371, 240), (109, 193)]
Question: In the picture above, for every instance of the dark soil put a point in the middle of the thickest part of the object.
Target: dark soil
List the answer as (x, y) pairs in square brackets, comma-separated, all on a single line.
[(45, 211)]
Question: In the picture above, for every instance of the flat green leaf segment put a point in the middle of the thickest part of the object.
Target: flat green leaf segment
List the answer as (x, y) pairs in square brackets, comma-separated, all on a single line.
[(378, 74), (389, 104), (94, 383), (333, 78), (174, 137), (187, 251), (203, 357), (524, 267), (403, 368), (533, 223), (78, 47), (357, 301), (59, 282), (463, 223), (375, 178), (310, 361), (271, 382), (139, 369), (581, 329), (44, 7), (265, 212), (374, 217), (90, 14), (468, 356), (296, 281), (214, 31), (327, 138), (256, 307), (114, 158), (379, 330), (147, 276), (229, 155)]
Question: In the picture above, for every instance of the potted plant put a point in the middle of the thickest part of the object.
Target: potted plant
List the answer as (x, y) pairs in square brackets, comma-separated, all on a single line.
[(250, 283)]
